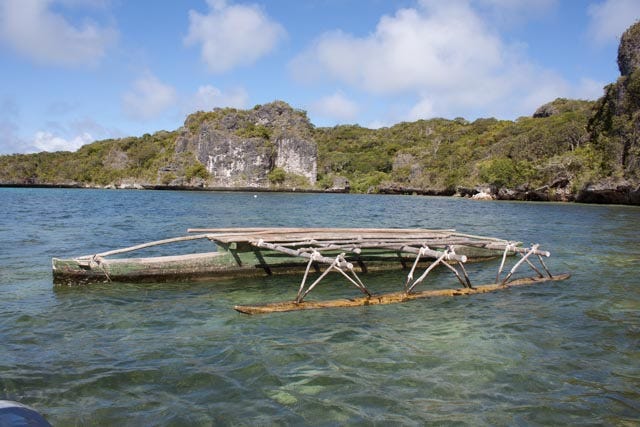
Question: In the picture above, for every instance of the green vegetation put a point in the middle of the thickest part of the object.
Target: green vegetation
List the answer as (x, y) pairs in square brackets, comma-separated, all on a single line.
[(441, 155), (197, 170), (100, 163), (565, 146), (277, 176), (437, 155), (505, 172), (251, 130)]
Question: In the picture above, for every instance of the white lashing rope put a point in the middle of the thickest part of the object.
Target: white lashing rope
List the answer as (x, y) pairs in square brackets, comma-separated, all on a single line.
[(507, 248), (533, 249)]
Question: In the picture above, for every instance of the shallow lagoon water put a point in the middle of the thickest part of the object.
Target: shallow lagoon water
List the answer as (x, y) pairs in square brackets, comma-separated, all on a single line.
[(178, 354)]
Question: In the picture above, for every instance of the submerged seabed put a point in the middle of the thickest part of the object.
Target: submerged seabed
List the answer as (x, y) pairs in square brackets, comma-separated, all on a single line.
[(178, 354)]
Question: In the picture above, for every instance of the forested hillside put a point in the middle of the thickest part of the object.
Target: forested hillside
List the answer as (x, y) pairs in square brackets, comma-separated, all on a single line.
[(439, 156), (566, 150)]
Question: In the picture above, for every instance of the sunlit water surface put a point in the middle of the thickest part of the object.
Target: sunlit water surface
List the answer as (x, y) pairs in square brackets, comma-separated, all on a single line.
[(178, 354)]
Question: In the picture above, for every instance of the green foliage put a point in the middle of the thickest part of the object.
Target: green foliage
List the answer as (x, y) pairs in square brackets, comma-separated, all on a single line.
[(580, 140), (277, 176), (96, 163), (167, 178), (293, 180), (251, 130), (614, 128), (197, 170), (505, 172), (195, 120), (448, 153), (369, 182)]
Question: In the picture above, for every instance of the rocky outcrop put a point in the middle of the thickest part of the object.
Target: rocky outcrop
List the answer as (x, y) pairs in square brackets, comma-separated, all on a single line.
[(608, 192), (239, 148), (547, 110), (615, 128), (629, 50), (297, 156), (340, 184), (408, 167)]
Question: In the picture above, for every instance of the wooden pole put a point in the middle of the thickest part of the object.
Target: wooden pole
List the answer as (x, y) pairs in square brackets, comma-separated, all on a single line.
[(390, 298), (523, 259), (147, 245)]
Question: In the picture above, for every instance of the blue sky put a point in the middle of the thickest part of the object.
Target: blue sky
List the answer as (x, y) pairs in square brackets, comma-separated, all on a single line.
[(75, 71)]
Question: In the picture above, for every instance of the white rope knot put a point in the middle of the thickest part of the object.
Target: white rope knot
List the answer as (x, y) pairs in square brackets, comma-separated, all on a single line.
[(451, 254)]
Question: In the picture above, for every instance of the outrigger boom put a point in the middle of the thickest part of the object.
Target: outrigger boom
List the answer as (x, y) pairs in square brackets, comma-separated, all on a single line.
[(249, 251)]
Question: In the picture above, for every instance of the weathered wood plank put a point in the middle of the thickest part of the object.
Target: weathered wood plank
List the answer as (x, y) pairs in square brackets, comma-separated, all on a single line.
[(316, 229)]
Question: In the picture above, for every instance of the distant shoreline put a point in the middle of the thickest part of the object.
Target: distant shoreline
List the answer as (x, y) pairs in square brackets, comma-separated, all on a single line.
[(176, 188), (606, 197)]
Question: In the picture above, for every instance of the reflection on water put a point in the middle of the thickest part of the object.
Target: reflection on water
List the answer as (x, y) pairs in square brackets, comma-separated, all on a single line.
[(128, 354)]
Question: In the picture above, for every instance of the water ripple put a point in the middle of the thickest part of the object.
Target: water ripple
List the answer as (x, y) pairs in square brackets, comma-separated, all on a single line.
[(177, 354)]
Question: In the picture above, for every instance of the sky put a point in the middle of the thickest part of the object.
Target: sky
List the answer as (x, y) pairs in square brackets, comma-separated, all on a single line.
[(76, 71)]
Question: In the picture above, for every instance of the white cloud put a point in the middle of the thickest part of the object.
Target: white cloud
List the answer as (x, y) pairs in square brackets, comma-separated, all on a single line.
[(422, 110), (208, 97), (510, 13), (232, 35), (47, 37), (589, 89), (148, 98), (610, 18), (335, 106), (47, 141), (445, 55), (441, 45)]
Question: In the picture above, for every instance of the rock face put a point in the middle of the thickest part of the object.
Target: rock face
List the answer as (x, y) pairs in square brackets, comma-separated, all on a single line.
[(629, 50), (547, 110), (297, 156), (610, 192), (239, 148), (615, 129)]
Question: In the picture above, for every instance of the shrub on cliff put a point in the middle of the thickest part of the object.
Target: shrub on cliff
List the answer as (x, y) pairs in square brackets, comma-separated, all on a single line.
[(505, 172), (615, 127), (277, 176)]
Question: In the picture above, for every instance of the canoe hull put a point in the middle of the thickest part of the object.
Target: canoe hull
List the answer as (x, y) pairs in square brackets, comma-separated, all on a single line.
[(219, 265)]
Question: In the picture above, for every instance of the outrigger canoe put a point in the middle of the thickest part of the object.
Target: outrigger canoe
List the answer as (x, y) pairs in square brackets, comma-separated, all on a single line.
[(247, 252)]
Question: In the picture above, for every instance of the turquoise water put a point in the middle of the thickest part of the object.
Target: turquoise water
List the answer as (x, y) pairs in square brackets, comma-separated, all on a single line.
[(178, 354)]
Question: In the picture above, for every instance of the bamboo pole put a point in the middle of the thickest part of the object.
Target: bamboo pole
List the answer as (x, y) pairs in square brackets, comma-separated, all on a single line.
[(147, 245), (293, 252)]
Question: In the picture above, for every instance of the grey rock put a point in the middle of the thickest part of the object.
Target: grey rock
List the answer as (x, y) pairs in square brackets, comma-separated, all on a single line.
[(240, 147), (629, 50), (610, 192), (547, 110), (340, 185)]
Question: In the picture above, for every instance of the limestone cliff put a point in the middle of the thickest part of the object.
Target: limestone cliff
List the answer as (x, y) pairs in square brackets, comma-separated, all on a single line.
[(615, 129), (241, 148)]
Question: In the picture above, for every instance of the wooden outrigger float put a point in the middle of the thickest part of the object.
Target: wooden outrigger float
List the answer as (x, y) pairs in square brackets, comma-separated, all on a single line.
[(243, 252)]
